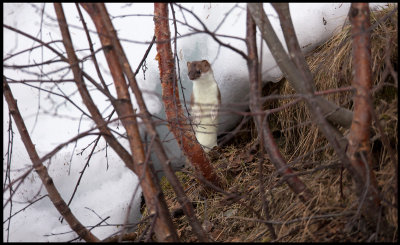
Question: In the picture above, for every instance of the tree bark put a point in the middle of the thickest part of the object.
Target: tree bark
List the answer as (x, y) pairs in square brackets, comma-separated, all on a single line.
[(359, 149), (255, 105)]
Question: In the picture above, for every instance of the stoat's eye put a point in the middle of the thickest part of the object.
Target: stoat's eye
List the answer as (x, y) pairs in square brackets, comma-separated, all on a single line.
[(198, 72)]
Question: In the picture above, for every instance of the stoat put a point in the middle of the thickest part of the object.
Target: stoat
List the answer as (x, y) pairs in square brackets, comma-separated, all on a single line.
[(204, 102)]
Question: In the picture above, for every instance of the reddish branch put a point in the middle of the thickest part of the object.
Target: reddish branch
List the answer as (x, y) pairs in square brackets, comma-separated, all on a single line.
[(359, 137), (170, 95), (146, 116), (41, 170), (164, 228)]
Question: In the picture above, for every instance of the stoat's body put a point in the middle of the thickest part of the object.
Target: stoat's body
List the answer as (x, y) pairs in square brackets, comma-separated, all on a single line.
[(205, 102)]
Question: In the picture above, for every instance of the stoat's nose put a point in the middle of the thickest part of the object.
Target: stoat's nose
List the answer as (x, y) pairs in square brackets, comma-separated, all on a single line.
[(193, 75)]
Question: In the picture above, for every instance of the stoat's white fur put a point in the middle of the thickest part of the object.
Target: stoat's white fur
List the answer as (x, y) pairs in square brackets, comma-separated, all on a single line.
[(205, 105)]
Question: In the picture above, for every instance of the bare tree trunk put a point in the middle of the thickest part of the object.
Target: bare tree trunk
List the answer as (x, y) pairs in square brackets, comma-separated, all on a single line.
[(255, 105), (334, 112), (359, 149), (178, 124), (41, 170)]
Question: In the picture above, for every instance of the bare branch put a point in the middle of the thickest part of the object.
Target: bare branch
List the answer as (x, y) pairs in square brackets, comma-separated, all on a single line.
[(54, 195), (212, 34), (87, 100)]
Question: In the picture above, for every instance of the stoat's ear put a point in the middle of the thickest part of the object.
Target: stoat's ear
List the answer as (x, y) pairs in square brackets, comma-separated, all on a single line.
[(188, 64), (205, 65)]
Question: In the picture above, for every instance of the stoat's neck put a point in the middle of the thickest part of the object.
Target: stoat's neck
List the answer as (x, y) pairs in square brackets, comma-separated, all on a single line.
[(205, 83)]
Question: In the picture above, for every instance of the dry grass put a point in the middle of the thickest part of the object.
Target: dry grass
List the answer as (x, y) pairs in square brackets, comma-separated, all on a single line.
[(332, 212)]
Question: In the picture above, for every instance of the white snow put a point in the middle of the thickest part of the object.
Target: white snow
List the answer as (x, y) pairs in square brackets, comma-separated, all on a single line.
[(108, 192)]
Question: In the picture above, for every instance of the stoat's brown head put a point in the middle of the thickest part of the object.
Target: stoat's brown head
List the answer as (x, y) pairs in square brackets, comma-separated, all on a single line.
[(196, 68)]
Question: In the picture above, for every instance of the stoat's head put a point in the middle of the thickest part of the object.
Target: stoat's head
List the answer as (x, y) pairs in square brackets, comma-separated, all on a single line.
[(197, 68)]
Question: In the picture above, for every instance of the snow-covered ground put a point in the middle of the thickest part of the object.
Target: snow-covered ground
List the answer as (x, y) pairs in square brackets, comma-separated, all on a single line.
[(106, 191)]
